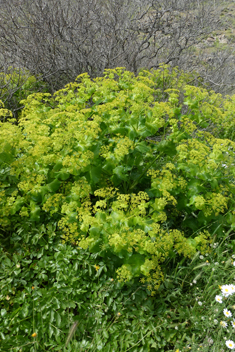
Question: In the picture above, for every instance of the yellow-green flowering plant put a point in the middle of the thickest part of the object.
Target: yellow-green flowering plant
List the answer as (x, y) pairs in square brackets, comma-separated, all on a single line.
[(123, 168)]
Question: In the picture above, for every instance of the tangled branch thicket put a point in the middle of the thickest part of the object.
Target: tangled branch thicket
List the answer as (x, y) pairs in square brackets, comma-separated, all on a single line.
[(58, 40)]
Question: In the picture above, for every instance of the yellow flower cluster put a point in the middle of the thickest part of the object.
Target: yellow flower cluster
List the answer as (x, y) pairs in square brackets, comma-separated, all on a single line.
[(117, 241), (78, 161), (153, 274), (84, 210), (53, 203), (134, 204), (204, 239), (124, 274), (216, 203), (70, 230), (108, 192), (194, 151), (118, 148), (100, 204), (199, 202), (81, 188), (24, 212)]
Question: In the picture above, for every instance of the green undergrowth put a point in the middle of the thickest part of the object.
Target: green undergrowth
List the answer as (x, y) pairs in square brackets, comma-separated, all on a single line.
[(107, 188)]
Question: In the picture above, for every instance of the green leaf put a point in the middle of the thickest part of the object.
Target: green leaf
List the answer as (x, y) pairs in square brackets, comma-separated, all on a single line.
[(168, 147), (63, 175), (94, 231), (17, 206), (108, 167), (143, 147), (194, 187), (132, 134), (53, 186), (56, 303), (121, 172), (121, 130), (52, 314), (96, 246), (105, 334), (58, 319), (25, 310), (151, 127), (35, 212), (3, 312), (58, 166), (135, 262), (95, 174), (6, 158), (50, 330), (99, 344)]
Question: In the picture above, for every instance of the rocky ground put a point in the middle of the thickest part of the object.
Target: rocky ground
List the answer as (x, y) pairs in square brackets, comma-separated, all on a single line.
[(217, 51)]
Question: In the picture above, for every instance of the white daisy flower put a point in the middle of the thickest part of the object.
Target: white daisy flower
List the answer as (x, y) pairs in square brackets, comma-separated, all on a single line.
[(233, 323), (226, 290), (210, 341), (230, 344), (223, 324), (232, 288), (227, 313), (200, 303), (218, 299)]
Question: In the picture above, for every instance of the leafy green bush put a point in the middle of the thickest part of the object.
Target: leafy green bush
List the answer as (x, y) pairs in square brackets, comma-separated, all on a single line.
[(110, 182), (87, 160)]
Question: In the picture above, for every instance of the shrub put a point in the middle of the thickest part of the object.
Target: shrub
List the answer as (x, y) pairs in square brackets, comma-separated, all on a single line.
[(121, 170)]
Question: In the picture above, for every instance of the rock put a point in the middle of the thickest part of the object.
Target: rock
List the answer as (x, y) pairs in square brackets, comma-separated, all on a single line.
[(210, 39), (222, 39)]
